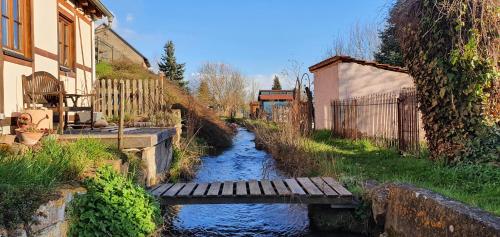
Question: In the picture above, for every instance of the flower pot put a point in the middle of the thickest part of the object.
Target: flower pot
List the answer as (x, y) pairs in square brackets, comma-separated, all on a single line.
[(28, 138), (7, 139)]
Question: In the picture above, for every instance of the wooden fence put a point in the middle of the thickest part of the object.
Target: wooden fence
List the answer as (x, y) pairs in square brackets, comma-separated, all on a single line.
[(390, 119), (142, 97)]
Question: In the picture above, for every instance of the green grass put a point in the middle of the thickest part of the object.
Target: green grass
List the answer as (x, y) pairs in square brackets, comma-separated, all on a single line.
[(355, 161), (30, 178)]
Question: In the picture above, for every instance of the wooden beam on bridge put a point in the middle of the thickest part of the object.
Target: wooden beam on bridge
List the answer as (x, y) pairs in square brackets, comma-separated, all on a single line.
[(315, 190)]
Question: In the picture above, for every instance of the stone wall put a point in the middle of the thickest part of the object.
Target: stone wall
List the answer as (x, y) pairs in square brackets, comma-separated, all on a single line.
[(53, 219), (402, 210)]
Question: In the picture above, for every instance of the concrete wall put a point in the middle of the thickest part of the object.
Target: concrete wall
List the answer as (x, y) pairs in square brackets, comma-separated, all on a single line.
[(326, 88), (45, 55)]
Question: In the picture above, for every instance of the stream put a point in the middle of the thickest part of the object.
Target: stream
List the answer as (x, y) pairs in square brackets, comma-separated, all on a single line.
[(240, 162)]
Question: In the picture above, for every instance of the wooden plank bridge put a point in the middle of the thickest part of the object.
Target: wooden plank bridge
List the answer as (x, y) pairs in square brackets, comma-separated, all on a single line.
[(318, 190)]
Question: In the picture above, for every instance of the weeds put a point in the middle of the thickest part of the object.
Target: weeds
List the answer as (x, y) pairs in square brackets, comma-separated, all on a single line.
[(186, 159)]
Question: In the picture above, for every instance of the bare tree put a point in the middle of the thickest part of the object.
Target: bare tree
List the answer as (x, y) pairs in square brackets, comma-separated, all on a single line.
[(361, 42), (253, 89), (226, 87)]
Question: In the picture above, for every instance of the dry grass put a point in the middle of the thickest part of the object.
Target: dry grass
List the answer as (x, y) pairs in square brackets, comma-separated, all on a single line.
[(286, 146)]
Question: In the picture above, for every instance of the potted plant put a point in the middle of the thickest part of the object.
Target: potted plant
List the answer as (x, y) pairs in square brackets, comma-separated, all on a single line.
[(27, 132)]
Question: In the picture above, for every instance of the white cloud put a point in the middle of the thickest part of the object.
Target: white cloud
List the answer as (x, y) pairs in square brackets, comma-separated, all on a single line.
[(130, 17)]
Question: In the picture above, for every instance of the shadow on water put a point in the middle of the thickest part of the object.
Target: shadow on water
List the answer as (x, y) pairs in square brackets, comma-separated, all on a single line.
[(241, 162)]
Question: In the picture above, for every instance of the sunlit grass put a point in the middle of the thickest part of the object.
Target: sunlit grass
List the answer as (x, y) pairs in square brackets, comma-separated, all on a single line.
[(354, 162)]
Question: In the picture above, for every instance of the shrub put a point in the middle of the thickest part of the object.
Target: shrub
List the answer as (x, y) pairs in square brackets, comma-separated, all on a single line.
[(113, 206)]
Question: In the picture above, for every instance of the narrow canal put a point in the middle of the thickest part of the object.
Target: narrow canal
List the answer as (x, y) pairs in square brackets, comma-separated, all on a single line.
[(240, 162)]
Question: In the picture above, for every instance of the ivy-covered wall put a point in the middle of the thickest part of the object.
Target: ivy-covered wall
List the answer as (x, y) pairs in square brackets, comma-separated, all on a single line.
[(451, 49)]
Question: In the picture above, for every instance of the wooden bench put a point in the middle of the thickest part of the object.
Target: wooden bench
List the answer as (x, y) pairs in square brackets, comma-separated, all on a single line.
[(45, 89), (317, 190)]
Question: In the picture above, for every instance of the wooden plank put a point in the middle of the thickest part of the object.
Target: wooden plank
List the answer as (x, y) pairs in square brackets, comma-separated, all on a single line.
[(337, 187), (253, 185), (174, 190), (201, 189), (115, 98), (151, 96), (227, 188), (109, 100), (281, 188), (310, 187), (128, 105), (187, 190), (134, 97), (327, 190), (158, 191), (214, 189), (241, 188), (140, 104), (294, 187), (267, 187)]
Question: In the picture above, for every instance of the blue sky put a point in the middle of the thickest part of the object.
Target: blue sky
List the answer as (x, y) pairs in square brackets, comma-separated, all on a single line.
[(259, 37)]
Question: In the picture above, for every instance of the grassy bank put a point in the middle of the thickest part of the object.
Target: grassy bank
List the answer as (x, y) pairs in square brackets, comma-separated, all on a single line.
[(353, 162)]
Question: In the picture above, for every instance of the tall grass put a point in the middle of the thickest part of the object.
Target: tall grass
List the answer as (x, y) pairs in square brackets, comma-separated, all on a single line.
[(354, 162), (29, 179), (186, 159)]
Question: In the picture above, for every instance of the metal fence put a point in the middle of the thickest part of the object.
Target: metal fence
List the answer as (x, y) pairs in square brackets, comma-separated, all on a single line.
[(389, 119)]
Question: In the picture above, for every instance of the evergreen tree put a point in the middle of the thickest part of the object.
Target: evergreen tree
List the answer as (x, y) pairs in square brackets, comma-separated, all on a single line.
[(169, 66), (203, 93), (390, 51), (276, 83)]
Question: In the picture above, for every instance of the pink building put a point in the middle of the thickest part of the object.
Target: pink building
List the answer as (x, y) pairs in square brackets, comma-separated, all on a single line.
[(342, 77)]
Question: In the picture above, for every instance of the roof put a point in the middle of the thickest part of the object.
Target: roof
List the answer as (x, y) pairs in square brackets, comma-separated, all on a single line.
[(105, 26), (275, 97), (275, 91), (347, 59), (100, 7), (272, 97)]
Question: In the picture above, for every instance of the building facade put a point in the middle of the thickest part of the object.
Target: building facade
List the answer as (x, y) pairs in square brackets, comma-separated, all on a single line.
[(343, 77), (56, 36), (110, 46)]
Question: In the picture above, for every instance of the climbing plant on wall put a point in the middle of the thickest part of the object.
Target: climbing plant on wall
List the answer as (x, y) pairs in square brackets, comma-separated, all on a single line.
[(451, 50)]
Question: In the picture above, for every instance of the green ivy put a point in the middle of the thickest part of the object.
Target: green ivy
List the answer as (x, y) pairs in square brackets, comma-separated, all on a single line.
[(446, 51), (113, 206)]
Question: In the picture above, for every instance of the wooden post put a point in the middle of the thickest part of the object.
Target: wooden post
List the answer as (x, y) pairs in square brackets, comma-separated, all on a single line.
[(121, 88)]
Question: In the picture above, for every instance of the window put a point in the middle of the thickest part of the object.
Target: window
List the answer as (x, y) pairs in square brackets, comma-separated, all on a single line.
[(16, 20), (66, 42)]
